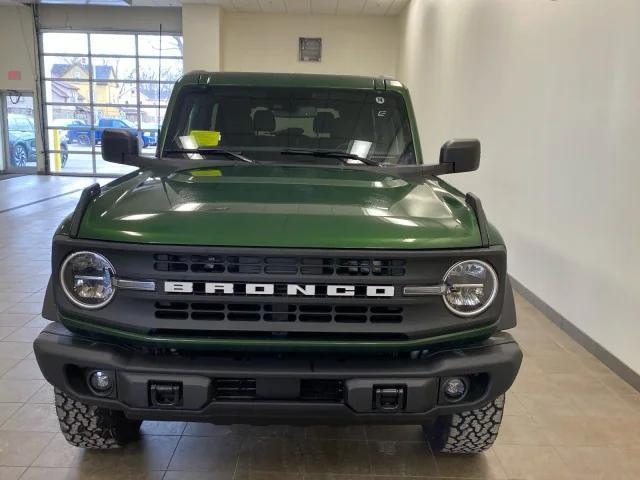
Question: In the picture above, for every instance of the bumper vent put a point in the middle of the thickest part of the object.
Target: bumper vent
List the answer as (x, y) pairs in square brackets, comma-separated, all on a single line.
[(255, 312), (311, 390), (235, 388), (257, 265), (322, 390)]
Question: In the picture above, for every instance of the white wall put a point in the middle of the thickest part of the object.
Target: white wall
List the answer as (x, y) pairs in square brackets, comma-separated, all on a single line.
[(17, 53), (350, 45), (552, 90), (201, 35)]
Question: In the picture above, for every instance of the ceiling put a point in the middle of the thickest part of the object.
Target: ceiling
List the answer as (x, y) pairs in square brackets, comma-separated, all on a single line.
[(319, 7), (312, 7)]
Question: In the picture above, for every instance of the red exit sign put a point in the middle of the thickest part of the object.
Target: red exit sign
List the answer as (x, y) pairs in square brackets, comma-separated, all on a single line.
[(14, 75)]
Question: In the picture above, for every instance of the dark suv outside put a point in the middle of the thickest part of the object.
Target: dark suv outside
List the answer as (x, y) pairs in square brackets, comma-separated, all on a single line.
[(22, 141)]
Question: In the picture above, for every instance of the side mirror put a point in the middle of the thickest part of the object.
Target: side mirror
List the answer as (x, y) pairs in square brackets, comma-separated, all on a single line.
[(118, 144), (460, 155)]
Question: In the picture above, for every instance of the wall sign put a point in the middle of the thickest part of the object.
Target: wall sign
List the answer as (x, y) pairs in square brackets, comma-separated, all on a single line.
[(310, 49)]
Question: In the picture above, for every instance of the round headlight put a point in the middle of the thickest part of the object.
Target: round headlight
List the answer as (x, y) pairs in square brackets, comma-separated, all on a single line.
[(86, 278), (472, 286)]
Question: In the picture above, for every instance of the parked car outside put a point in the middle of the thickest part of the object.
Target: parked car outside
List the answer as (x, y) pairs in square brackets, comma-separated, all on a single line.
[(76, 130), (83, 135), (150, 132), (22, 141)]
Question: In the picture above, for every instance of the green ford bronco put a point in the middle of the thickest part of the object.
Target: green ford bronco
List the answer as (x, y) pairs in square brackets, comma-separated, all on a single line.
[(287, 257)]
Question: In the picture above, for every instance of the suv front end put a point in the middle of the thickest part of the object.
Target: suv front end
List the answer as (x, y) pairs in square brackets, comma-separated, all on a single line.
[(279, 294)]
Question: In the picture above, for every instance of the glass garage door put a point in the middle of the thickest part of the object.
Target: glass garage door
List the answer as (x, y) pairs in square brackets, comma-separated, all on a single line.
[(93, 81)]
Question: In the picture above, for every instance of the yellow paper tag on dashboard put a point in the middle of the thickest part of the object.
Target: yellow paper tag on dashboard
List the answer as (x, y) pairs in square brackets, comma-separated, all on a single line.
[(206, 138), (209, 172)]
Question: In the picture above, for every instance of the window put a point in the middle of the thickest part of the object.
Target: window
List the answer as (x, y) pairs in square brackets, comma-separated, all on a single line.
[(18, 133), (264, 122), (93, 81)]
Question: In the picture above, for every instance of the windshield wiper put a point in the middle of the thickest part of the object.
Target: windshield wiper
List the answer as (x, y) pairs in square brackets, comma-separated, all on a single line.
[(344, 156), (212, 151)]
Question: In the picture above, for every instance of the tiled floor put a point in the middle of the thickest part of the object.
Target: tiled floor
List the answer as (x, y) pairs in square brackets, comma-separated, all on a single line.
[(567, 416), (18, 191)]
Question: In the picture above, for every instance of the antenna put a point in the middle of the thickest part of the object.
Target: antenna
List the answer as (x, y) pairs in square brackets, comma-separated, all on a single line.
[(159, 86)]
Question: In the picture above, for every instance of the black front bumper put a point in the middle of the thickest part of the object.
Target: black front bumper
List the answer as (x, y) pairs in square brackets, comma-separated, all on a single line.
[(284, 390)]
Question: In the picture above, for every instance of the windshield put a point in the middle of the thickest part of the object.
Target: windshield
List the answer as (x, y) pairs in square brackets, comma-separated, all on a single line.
[(267, 123)]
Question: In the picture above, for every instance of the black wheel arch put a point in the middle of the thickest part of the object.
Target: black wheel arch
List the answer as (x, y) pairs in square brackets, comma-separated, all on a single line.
[(49, 309), (508, 316)]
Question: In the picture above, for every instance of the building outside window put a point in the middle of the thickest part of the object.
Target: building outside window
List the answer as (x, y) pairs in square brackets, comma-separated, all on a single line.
[(93, 81)]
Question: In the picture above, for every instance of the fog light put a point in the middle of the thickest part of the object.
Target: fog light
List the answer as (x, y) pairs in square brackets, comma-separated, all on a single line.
[(101, 381), (454, 388)]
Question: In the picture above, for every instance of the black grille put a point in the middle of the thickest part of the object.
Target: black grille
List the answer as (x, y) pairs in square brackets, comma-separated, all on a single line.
[(311, 390), (255, 312), (235, 388), (256, 265), (206, 318), (322, 390)]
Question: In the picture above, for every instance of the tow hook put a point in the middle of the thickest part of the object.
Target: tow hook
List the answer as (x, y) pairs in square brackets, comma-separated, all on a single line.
[(165, 394)]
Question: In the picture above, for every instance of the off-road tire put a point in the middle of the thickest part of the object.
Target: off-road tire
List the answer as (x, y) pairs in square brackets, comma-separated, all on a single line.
[(473, 431), (88, 426)]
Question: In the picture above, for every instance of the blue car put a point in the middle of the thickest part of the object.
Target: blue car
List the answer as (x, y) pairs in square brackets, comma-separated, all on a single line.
[(83, 135), (77, 131)]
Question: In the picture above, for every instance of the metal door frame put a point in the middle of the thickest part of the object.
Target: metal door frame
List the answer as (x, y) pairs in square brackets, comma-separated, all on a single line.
[(8, 165)]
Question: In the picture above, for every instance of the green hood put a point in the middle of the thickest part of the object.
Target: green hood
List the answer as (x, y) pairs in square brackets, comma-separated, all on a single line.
[(278, 206)]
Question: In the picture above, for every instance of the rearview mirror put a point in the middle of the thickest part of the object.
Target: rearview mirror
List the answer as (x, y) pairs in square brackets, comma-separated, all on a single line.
[(118, 144), (460, 155)]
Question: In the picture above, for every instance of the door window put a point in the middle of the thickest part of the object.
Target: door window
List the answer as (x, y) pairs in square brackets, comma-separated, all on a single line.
[(19, 132)]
